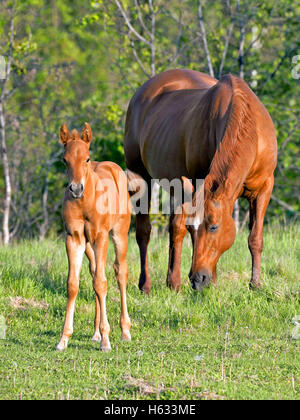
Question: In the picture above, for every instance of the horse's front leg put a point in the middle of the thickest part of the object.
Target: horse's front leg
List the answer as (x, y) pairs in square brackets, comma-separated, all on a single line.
[(193, 233), (258, 207), (75, 245), (177, 231)]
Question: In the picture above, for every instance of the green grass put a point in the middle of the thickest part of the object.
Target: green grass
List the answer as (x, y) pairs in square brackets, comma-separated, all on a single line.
[(228, 342)]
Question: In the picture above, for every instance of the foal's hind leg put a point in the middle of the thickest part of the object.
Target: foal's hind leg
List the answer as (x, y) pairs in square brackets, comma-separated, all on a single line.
[(92, 265), (100, 287), (120, 241), (258, 207)]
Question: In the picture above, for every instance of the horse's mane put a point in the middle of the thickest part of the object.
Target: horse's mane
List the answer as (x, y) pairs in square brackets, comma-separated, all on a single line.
[(232, 128)]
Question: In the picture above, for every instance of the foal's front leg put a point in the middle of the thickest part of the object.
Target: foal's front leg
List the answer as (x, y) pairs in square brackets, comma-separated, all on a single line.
[(100, 287), (75, 245)]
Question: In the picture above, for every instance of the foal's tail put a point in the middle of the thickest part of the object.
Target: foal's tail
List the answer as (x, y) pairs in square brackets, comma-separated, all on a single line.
[(135, 182)]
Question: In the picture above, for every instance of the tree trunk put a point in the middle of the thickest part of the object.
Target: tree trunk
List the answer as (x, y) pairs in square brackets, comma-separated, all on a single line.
[(236, 215), (45, 225), (7, 198)]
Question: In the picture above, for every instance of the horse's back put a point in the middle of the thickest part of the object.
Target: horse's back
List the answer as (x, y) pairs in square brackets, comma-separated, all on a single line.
[(177, 120), (169, 81)]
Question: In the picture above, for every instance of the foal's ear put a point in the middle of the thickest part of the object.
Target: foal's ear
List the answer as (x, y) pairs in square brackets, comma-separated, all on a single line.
[(65, 136), (87, 133)]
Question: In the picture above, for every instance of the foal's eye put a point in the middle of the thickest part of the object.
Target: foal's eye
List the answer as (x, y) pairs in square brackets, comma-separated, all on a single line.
[(87, 161), (213, 228)]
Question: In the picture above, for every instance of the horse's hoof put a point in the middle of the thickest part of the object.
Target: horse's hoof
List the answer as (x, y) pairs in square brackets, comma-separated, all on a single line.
[(174, 287), (146, 290), (255, 286)]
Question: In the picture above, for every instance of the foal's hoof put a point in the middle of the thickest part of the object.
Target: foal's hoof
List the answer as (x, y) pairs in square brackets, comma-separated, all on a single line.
[(126, 337), (96, 338), (62, 345), (105, 346), (105, 349)]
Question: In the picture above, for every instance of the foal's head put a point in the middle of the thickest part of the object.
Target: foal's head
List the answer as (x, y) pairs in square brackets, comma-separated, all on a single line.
[(76, 157), (214, 236)]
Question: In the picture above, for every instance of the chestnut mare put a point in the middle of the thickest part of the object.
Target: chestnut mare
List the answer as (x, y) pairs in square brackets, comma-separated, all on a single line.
[(185, 124), (88, 230)]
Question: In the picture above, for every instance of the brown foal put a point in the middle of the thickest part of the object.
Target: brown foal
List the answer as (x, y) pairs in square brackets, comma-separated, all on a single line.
[(96, 203)]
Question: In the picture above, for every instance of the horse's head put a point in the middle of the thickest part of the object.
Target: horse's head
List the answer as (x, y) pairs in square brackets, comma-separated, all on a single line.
[(76, 157), (213, 236)]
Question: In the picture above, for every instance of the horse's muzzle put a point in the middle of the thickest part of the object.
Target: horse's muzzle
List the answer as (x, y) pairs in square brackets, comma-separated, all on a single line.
[(76, 190), (200, 280)]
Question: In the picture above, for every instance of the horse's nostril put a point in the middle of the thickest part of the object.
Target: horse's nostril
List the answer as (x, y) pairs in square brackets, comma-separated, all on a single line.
[(200, 280)]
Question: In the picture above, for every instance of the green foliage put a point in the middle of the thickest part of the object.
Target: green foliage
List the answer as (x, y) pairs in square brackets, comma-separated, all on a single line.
[(77, 61), (228, 342)]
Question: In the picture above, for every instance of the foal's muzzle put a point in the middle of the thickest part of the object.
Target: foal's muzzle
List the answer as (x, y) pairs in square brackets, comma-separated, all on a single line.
[(76, 190), (200, 279)]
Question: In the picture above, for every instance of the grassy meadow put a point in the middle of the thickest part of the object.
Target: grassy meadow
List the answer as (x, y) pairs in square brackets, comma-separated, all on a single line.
[(225, 343)]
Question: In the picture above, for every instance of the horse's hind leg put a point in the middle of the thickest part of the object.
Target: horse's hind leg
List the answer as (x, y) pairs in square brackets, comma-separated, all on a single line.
[(143, 231), (75, 246), (258, 207), (92, 266), (120, 241)]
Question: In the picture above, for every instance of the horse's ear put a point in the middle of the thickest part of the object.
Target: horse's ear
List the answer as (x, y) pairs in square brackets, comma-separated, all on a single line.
[(65, 136), (188, 187), (87, 133)]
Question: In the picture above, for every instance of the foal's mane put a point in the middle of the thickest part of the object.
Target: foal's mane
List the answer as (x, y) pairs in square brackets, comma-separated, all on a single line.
[(232, 128)]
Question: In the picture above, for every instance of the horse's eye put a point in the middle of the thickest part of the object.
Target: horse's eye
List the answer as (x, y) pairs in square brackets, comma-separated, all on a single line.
[(87, 161), (213, 228)]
